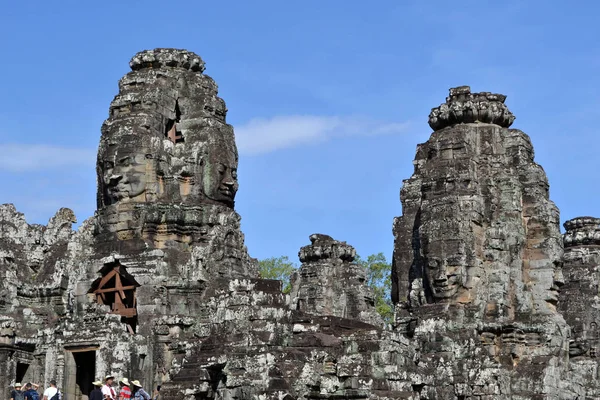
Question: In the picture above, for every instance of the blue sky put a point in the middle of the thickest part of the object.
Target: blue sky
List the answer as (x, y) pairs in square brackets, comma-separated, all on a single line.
[(329, 99)]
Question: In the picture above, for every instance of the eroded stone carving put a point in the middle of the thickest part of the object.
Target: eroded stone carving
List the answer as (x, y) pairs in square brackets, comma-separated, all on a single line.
[(463, 107), (167, 164), (579, 303), (479, 241), (467, 177), (330, 283)]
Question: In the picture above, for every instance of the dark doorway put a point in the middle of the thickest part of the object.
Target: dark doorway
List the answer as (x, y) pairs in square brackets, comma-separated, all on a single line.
[(85, 362), (21, 371)]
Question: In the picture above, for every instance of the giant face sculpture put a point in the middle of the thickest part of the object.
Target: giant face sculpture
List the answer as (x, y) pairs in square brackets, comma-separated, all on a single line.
[(558, 280), (122, 171), (445, 268), (444, 277), (220, 173)]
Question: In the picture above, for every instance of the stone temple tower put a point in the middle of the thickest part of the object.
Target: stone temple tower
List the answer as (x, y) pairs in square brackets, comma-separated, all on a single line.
[(478, 246), (167, 166), (477, 214), (113, 296)]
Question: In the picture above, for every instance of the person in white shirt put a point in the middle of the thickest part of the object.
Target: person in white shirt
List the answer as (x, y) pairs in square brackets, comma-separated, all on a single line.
[(107, 390), (51, 391)]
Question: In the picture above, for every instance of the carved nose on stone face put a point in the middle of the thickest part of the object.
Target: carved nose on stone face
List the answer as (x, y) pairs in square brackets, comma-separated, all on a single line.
[(228, 178), (114, 179), (440, 278)]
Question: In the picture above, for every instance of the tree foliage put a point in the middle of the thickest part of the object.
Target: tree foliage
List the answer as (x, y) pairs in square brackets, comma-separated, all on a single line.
[(379, 278), (280, 268)]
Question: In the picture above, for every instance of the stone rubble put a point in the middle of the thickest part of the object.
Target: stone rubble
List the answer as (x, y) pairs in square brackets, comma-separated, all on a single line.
[(158, 285)]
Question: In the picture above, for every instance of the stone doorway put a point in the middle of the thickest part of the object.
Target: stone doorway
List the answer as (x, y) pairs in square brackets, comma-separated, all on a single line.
[(21, 372), (80, 372)]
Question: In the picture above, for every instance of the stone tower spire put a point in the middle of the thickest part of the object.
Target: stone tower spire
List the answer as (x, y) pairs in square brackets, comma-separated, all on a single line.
[(167, 165), (478, 252), (478, 227)]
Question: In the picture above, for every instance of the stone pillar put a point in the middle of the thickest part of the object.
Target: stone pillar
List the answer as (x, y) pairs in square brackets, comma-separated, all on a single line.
[(579, 302)]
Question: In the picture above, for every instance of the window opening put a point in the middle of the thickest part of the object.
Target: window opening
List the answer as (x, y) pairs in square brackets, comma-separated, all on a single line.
[(171, 131), (116, 288)]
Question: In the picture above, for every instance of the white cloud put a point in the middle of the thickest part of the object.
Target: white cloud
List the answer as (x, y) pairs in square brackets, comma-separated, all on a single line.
[(35, 157), (259, 135), (263, 135)]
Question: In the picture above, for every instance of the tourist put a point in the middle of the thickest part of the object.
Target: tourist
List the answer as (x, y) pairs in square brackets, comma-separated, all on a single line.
[(138, 392), (156, 394), (125, 393), (52, 392), (107, 390), (31, 393), (17, 394), (96, 393)]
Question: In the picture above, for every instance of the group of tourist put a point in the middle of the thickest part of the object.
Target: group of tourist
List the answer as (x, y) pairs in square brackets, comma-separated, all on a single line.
[(30, 392), (102, 391), (129, 390)]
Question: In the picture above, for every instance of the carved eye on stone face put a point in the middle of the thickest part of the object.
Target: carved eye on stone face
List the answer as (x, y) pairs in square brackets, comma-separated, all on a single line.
[(125, 162), (454, 261)]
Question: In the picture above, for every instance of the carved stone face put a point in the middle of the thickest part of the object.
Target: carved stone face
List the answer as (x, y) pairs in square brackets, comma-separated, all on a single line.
[(220, 174), (444, 277), (558, 281), (123, 173)]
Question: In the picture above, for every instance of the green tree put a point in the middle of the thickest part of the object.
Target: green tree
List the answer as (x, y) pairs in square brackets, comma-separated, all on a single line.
[(280, 268), (379, 278)]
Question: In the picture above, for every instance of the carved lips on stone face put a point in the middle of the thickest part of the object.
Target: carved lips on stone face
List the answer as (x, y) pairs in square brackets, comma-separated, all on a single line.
[(220, 174)]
